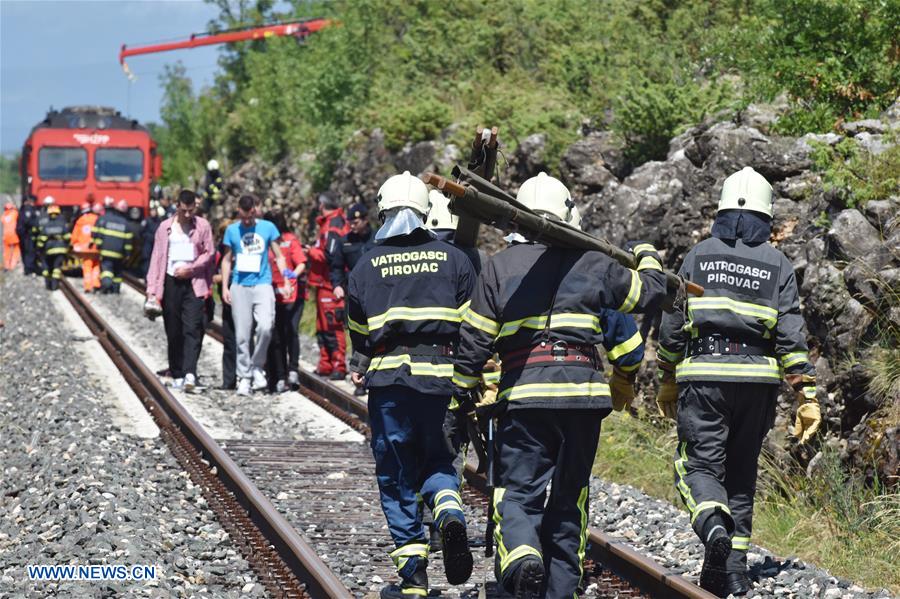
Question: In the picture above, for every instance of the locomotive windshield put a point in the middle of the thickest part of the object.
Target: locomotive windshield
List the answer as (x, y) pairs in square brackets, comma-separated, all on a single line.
[(119, 164), (62, 164)]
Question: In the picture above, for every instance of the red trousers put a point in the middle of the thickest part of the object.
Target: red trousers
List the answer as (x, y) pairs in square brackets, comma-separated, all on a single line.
[(330, 332)]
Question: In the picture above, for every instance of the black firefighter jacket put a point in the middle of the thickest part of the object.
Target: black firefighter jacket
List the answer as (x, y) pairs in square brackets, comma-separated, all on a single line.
[(751, 298), (406, 298), (113, 235), (511, 306)]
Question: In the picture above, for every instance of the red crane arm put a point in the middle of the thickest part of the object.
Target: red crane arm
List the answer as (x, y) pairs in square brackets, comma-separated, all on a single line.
[(296, 28)]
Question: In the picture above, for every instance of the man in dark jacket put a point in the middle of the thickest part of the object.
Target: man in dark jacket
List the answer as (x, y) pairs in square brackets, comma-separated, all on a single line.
[(722, 360), (26, 224), (405, 300), (544, 309), (113, 236), (351, 247)]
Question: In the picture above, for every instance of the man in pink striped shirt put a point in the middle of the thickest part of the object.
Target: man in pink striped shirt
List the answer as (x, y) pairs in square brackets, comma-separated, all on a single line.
[(180, 278)]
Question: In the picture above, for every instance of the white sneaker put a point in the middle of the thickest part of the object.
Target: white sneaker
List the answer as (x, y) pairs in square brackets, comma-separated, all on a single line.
[(177, 384), (294, 378), (190, 383), (280, 387), (243, 387), (259, 380)]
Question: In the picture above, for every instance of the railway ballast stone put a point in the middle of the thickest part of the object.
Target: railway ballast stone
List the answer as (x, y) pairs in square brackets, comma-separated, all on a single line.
[(76, 490)]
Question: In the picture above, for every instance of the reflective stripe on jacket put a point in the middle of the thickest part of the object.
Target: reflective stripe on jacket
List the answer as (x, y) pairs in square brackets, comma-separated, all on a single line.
[(113, 235), (411, 290), (751, 297), (589, 292)]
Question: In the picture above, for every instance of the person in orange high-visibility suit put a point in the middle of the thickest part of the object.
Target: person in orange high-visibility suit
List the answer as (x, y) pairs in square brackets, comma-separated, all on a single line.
[(84, 248), (11, 251)]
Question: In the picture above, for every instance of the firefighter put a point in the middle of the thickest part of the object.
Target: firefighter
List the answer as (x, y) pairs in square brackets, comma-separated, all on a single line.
[(11, 249), (83, 246), (113, 236), (722, 362), (443, 224), (544, 309), (213, 186), (52, 241), (25, 226), (405, 302), (329, 308)]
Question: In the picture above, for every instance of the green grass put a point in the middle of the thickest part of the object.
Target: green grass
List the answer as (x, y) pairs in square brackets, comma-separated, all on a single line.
[(832, 520)]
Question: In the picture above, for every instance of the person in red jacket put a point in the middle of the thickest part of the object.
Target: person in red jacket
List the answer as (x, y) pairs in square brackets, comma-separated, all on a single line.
[(329, 309), (283, 360)]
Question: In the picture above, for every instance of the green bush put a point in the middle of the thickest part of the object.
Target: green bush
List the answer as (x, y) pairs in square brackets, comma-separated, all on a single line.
[(648, 114), (836, 59), (856, 174), (412, 67)]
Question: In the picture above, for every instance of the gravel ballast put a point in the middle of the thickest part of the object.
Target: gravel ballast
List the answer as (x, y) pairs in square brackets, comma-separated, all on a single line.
[(663, 532), (77, 490)]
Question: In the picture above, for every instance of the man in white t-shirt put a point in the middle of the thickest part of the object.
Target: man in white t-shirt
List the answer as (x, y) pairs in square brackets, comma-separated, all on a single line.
[(180, 278), (247, 243)]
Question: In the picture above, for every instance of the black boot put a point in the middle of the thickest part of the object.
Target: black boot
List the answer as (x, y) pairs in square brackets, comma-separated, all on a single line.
[(528, 579), (737, 583), (718, 546), (412, 587), (455, 549)]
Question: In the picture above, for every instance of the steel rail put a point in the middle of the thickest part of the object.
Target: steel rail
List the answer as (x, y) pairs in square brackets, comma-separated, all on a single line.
[(641, 571), (171, 416)]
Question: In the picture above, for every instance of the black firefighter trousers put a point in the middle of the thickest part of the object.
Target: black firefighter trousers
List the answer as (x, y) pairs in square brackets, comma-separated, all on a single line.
[(534, 448), (721, 427)]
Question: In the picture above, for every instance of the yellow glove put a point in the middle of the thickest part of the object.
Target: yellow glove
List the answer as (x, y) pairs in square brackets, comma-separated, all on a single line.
[(809, 417), (667, 398), (621, 386)]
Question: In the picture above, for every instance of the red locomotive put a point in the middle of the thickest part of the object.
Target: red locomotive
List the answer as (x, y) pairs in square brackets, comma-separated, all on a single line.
[(86, 154)]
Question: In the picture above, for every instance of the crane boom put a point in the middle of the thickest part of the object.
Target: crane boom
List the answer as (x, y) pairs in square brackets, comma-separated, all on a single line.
[(299, 29)]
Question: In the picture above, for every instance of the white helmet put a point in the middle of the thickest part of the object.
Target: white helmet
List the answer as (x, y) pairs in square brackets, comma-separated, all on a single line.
[(404, 191), (440, 217), (746, 190), (212, 165), (48, 201), (547, 194)]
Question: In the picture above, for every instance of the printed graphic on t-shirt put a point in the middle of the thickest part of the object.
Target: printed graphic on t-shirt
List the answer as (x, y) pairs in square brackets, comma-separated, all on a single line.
[(250, 258), (740, 275)]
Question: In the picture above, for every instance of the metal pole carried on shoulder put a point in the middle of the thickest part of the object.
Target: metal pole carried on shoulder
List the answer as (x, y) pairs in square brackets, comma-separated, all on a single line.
[(480, 199)]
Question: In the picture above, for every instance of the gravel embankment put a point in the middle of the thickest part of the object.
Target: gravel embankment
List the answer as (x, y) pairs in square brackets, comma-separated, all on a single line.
[(664, 532), (224, 414), (76, 489)]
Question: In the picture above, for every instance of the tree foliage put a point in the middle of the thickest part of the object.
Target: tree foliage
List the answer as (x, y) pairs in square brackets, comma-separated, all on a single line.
[(9, 174), (413, 67)]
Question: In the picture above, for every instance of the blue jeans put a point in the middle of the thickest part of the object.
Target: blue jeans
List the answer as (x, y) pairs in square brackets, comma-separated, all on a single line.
[(412, 458)]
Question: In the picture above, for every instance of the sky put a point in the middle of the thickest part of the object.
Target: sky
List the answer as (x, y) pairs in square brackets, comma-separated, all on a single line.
[(66, 52)]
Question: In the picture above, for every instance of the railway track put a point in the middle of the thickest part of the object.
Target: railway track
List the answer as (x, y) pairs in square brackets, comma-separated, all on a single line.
[(323, 476)]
